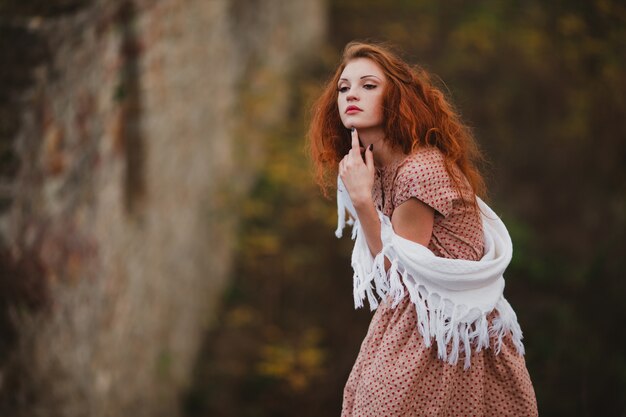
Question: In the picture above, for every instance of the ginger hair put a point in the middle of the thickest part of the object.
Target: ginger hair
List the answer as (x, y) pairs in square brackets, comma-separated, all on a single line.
[(415, 112)]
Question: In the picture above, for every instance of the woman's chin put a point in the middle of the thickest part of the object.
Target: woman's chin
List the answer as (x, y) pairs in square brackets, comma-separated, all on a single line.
[(351, 124)]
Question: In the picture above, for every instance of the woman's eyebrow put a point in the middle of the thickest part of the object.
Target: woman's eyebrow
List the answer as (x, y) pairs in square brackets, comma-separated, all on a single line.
[(365, 76)]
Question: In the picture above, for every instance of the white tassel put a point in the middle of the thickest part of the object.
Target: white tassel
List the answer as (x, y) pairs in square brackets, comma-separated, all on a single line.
[(497, 331), (440, 333), (508, 321), (432, 324), (396, 289), (423, 323), (516, 331), (341, 211), (454, 353), (371, 298), (482, 333), (451, 324), (358, 300), (380, 276), (467, 347)]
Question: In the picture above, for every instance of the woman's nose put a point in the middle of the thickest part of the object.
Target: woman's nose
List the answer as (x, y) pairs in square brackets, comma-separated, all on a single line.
[(351, 96)]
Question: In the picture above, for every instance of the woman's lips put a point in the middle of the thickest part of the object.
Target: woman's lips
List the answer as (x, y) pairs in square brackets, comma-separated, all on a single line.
[(353, 109)]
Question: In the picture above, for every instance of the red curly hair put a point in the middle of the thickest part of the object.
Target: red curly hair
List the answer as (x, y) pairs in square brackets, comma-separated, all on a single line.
[(415, 114)]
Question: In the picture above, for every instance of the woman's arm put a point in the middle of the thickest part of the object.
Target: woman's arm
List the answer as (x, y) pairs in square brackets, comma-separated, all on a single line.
[(358, 177), (370, 224), (411, 220)]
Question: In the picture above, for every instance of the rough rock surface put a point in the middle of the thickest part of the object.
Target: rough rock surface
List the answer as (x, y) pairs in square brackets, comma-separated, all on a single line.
[(128, 131)]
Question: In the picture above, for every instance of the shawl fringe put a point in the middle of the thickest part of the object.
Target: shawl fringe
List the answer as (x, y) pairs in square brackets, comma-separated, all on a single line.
[(455, 328)]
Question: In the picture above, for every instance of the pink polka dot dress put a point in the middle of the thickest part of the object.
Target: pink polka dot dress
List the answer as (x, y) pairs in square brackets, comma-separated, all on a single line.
[(395, 374)]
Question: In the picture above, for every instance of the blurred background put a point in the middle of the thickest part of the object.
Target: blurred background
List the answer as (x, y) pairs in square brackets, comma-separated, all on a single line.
[(164, 250)]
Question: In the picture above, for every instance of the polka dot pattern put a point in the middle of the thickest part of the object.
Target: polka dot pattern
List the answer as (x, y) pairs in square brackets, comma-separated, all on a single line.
[(395, 374), (457, 229)]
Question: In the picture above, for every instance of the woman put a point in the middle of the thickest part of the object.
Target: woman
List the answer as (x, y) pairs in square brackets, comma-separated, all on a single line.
[(439, 343)]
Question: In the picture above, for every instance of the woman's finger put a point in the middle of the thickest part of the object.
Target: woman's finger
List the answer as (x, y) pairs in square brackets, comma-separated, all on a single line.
[(356, 154), (343, 164), (369, 158), (355, 139)]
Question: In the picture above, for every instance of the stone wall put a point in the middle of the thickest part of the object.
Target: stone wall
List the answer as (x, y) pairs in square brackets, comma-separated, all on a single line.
[(128, 132)]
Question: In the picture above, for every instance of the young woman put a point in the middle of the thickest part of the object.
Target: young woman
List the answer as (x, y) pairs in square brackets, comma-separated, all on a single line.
[(443, 341)]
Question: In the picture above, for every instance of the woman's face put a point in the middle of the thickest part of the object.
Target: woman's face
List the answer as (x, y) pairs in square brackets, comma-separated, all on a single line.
[(360, 94)]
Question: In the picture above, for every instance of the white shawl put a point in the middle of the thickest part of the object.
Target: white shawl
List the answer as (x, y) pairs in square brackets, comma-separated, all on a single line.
[(452, 296)]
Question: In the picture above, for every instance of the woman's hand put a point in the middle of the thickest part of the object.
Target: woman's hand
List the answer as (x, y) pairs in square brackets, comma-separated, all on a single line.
[(358, 176)]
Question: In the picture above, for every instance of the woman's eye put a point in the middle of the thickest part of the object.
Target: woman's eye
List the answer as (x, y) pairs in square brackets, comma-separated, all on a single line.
[(342, 89), (369, 86)]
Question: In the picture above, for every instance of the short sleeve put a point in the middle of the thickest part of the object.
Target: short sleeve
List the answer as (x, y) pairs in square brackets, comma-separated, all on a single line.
[(423, 175)]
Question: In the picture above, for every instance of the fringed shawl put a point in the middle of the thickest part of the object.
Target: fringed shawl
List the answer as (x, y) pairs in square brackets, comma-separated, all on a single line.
[(452, 297)]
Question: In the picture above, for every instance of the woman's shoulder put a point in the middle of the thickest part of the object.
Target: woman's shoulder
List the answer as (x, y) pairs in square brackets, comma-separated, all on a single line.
[(423, 175), (425, 163)]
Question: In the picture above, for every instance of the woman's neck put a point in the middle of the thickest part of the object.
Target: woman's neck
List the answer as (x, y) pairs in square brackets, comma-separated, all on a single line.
[(383, 153)]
